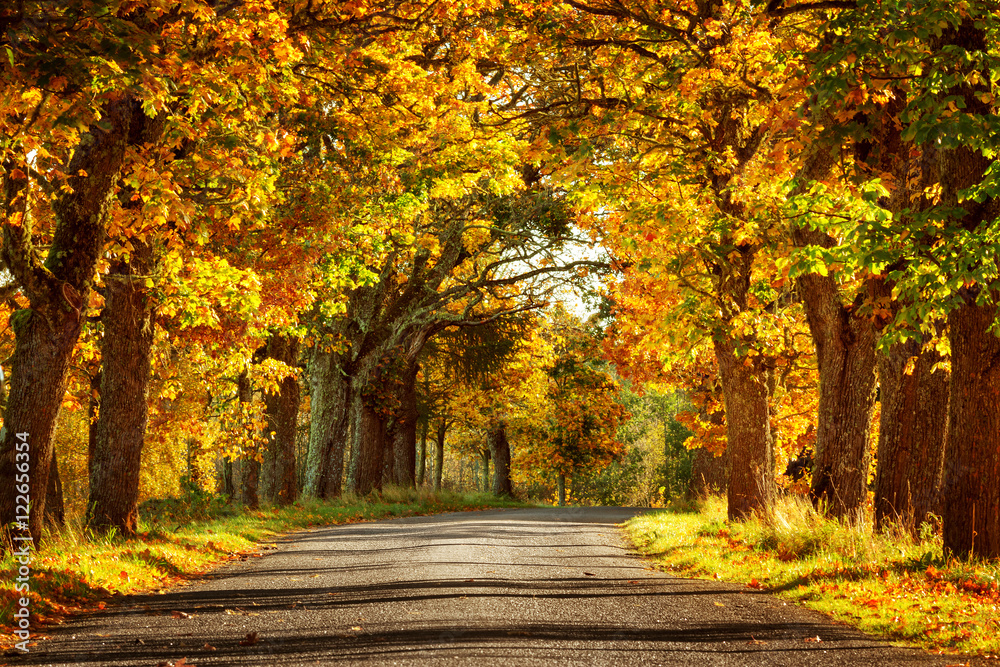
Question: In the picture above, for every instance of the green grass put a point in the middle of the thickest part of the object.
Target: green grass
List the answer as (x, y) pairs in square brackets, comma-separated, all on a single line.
[(888, 585), (75, 572)]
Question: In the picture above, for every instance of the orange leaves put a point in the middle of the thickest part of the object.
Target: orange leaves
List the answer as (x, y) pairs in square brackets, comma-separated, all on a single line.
[(581, 412)]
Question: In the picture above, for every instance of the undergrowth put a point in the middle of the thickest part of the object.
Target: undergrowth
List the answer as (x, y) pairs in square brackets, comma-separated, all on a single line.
[(889, 584)]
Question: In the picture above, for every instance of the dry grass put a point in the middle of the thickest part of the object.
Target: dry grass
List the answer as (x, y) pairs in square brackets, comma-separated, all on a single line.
[(888, 584)]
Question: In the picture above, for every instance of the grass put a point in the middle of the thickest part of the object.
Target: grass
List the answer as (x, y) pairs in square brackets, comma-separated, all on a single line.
[(889, 585), (75, 572)]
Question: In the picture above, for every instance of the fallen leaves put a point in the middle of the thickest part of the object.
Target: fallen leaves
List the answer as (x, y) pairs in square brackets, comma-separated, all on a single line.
[(180, 663), (239, 612), (250, 640)]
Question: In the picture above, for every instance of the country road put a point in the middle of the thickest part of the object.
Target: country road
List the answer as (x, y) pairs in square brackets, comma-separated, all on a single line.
[(539, 586)]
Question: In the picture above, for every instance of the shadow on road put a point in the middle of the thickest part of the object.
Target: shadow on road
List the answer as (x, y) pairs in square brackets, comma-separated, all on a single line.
[(187, 634)]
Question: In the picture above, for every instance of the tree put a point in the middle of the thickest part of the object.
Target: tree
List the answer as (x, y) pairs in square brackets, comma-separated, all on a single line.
[(912, 434), (924, 78), (481, 360), (282, 411), (79, 130), (120, 428), (677, 111), (578, 428)]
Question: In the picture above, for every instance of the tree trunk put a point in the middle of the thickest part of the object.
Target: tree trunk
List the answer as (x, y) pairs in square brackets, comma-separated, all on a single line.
[(484, 457), (55, 509), (845, 351), (329, 401), (971, 496), (249, 464), (228, 484), (389, 453), (912, 432), (751, 487), (282, 412), (125, 373), (38, 382), (367, 460), (972, 465), (439, 454), (422, 451), (561, 489), (404, 432), (709, 474), (58, 290), (500, 451)]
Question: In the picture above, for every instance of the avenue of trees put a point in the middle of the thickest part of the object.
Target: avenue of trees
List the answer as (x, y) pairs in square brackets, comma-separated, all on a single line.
[(221, 216)]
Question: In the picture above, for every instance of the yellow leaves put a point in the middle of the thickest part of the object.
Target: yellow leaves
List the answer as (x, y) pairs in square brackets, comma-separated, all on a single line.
[(32, 96), (476, 236), (266, 139), (449, 188)]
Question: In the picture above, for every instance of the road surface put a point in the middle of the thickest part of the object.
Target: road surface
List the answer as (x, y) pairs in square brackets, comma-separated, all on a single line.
[(545, 586)]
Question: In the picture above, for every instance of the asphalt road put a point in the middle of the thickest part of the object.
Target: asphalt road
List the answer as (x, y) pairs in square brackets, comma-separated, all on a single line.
[(501, 587)]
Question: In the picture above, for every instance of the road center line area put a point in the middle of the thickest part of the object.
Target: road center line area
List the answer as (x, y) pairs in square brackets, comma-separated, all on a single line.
[(537, 586)]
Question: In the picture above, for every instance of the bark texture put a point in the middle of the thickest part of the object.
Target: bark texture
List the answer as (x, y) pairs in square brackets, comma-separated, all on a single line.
[(500, 452), (57, 291), (972, 465), (368, 464), (845, 350), (121, 425), (282, 412), (328, 425), (749, 447), (972, 468), (913, 426), (403, 439)]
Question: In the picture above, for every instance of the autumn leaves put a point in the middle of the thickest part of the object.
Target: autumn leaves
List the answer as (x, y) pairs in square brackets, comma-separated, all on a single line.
[(778, 189)]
